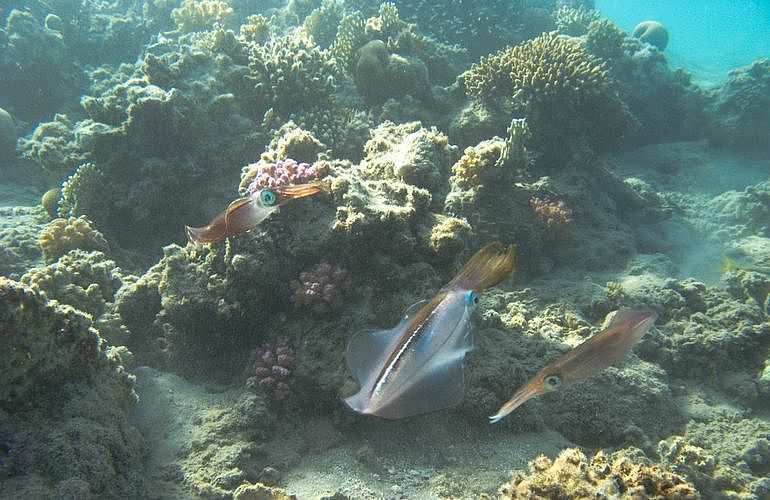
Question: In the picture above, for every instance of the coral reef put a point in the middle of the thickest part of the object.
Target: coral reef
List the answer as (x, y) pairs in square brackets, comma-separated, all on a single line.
[(574, 21), (73, 436), (62, 235), (321, 289), (200, 15), (87, 281), (56, 146), (623, 475), (19, 230), (652, 32), (741, 108), (271, 369), (564, 92)]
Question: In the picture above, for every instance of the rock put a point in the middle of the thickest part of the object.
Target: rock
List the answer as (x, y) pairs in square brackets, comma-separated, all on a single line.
[(7, 136)]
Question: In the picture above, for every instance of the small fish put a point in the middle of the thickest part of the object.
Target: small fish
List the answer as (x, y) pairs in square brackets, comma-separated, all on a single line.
[(729, 265), (417, 367), (244, 214), (625, 329)]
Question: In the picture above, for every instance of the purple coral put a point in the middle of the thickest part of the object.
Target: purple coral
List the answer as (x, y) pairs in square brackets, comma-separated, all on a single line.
[(272, 367), (282, 173), (322, 288)]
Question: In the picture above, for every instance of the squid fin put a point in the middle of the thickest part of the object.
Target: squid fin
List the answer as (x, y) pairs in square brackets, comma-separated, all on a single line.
[(491, 265)]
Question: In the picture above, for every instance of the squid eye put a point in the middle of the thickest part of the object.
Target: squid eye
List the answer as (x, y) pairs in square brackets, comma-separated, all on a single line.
[(267, 197), (471, 298), (552, 381)]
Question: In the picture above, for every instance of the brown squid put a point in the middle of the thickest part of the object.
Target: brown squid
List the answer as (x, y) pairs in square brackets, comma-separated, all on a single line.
[(244, 214)]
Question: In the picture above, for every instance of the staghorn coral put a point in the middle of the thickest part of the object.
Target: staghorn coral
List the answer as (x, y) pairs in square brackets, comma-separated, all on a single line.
[(271, 369), (256, 29), (620, 475), (574, 21), (321, 289), (200, 15), (62, 235), (322, 24), (351, 35)]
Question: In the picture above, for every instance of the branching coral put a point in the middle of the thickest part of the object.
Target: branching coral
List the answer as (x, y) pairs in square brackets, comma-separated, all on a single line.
[(291, 74), (572, 475), (63, 235), (54, 146), (548, 67), (565, 93), (281, 173), (199, 15), (574, 21), (322, 24), (604, 39), (256, 29), (478, 165)]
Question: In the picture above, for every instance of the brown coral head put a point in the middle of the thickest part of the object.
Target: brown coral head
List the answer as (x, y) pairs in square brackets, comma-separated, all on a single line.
[(653, 33)]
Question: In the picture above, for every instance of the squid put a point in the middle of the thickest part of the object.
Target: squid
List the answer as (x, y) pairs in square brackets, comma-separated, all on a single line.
[(244, 214), (626, 327), (418, 366)]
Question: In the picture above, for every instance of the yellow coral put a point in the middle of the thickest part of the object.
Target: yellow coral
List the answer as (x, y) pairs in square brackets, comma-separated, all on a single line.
[(476, 161), (547, 67), (199, 15), (620, 475), (447, 237), (50, 201), (62, 235)]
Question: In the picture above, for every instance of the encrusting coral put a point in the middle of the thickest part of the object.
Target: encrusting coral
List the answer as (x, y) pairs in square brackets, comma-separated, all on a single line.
[(62, 235), (620, 475)]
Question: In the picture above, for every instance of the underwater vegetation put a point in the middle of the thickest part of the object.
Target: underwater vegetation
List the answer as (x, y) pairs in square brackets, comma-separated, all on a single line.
[(346, 325)]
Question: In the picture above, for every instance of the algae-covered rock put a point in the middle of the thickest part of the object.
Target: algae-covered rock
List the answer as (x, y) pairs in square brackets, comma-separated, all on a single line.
[(64, 407)]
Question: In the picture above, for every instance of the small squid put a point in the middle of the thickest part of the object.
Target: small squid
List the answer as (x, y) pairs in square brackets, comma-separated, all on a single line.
[(244, 214), (607, 347)]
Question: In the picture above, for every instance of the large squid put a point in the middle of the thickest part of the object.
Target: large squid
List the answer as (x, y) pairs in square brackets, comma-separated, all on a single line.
[(244, 214)]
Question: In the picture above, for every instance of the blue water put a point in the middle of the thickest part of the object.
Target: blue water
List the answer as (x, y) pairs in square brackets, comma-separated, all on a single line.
[(708, 38)]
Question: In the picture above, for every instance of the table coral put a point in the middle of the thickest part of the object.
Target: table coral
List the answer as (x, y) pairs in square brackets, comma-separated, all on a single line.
[(572, 475), (62, 235)]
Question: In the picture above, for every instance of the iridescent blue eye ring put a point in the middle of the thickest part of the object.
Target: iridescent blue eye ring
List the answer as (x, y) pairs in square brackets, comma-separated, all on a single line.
[(471, 298), (267, 197)]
